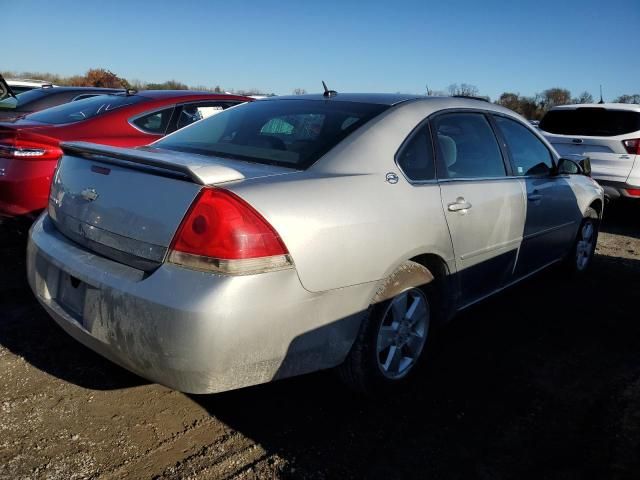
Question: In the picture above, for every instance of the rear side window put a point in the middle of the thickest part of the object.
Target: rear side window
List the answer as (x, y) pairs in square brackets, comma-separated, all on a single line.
[(416, 157), (191, 113), (84, 109), (154, 123), (289, 133), (591, 122), (467, 147), (529, 155)]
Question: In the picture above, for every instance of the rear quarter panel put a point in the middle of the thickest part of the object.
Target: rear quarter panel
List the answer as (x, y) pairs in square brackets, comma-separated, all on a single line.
[(342, 222)]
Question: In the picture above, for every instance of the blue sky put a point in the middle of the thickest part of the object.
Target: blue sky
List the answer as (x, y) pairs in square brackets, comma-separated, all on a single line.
[(391, 46)]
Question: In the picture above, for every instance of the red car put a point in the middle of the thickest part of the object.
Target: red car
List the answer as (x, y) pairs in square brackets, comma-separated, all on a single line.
[(30, 146)]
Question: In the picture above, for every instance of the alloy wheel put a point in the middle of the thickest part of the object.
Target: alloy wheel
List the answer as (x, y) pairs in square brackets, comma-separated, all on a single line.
[(403, 333)]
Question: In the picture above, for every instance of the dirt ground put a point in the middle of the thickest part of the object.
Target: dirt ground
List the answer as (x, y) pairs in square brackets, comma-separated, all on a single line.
[(542, 381)]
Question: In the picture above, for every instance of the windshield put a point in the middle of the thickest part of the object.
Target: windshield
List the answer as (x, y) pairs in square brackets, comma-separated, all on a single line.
[(83, 109), (289, 133), (591, 122)]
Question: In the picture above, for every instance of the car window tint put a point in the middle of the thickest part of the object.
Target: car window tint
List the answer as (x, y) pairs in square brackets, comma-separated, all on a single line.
[(529, 155), (154, 123), (193, 112), (84, 109), (467, 147), (290, 133), (591, 121), (416, 157)]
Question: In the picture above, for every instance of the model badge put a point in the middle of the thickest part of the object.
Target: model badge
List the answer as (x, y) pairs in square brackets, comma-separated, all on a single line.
[(89, 194)]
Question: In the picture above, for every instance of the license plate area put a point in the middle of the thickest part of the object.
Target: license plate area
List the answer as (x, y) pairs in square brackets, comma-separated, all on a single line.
[(72, 293)]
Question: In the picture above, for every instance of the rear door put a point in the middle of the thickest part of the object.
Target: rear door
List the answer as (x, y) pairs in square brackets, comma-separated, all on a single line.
[(552, 210), (597, 133), (483, 204)]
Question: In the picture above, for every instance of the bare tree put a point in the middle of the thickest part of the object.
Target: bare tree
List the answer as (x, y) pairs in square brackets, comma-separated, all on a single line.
[(584, 97), (464, 90), (555, 96), (635, 98), (299, 91)]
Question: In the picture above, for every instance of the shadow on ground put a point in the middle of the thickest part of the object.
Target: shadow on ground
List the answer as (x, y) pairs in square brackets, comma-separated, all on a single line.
[(622, 218), (542, 381)]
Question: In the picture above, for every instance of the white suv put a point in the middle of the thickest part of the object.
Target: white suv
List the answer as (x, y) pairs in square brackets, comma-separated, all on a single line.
[(609, 134)]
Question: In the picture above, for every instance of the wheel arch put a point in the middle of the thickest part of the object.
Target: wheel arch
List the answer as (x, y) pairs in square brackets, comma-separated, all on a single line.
[(422, 270)]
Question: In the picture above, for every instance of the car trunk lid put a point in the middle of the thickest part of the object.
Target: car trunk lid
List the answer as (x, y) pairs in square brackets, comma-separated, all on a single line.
[(126, 204)]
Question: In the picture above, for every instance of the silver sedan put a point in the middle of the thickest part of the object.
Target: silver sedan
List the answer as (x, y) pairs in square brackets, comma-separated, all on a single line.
[(296, 234)]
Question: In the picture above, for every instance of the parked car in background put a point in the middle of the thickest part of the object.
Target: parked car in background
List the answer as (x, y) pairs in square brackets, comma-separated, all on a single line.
[(30, 145), (19, 85), (609, 134), (294, 234), (37, 99)]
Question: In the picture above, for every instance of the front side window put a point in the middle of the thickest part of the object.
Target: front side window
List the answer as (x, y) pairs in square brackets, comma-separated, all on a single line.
[(416, 157), (467, 147), (289, 133), (155, 123), (529, 155), (84, 109)]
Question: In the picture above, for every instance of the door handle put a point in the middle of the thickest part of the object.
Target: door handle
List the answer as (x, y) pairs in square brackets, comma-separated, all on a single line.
[(459, 205)]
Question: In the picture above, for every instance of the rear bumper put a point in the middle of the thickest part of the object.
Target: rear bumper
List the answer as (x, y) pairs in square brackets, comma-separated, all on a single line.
[(615, 190), (24, 186), (192, 331)]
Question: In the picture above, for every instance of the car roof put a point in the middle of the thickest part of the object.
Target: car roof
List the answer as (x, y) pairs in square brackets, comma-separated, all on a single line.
[(51, 89), (164, 94), (377, 98), (391, 99), (633, 107)]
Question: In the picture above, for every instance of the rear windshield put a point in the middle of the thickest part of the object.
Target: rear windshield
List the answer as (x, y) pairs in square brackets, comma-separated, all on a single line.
[(591, 122), (22, 99), (289, 133), (83, 109)]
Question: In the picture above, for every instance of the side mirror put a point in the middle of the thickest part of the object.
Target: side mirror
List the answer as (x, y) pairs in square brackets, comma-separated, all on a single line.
[(568, 167), (585, 164), (576, 165)]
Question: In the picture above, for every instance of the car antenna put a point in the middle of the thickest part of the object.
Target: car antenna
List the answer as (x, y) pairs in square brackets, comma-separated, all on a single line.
[(601, 100), (327, 92)]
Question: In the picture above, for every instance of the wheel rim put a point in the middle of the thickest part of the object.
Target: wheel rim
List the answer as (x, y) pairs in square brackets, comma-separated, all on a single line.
[(584, 248), (403, 333)]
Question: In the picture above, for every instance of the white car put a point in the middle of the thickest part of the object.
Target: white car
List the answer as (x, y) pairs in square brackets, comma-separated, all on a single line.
[(609, 134), (26, 84)]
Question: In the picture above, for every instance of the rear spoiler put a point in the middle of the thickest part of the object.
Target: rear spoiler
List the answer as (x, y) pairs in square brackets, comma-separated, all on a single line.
[(200, 172)]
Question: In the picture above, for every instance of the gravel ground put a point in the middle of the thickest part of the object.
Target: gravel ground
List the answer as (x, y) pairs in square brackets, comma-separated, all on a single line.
[(542, 381)]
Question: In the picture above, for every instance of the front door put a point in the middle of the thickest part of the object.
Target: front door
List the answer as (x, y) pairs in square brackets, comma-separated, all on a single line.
[(552, 212), (484, 207)]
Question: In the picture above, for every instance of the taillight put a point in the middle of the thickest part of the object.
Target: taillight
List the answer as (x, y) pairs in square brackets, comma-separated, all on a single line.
[(223, 233), (633, 192), (632, 146), (22, 149)]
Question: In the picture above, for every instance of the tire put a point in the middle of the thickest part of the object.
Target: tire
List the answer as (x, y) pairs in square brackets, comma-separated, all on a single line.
[(584, 247), (388, 337)]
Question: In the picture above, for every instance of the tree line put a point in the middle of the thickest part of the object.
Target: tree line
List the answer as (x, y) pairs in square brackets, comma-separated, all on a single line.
[(531, 107), (100, 77)]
